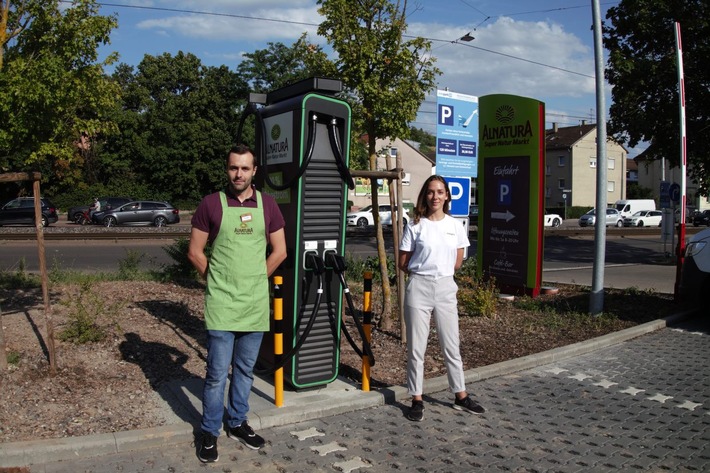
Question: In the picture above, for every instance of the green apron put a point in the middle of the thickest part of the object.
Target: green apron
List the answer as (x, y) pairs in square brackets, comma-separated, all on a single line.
[(237, 295)]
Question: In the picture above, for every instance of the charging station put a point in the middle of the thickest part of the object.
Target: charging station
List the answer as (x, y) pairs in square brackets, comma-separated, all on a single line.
[(303, 136)]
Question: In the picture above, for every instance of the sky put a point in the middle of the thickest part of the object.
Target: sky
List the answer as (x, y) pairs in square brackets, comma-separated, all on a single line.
[(541, 49)]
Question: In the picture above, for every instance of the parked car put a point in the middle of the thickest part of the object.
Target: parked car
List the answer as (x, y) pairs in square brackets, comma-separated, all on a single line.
[(107, 203), (613, 218), (21, 211), (363, 217), (141, 212), (695, 275), (702, 218), (644, 218), (552, 220)]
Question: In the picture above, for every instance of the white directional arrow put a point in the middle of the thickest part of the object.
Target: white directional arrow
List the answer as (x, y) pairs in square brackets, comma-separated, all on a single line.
[(507, 216)]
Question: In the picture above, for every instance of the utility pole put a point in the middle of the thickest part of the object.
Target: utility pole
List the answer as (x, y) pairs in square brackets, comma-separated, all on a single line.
[(596, 298)]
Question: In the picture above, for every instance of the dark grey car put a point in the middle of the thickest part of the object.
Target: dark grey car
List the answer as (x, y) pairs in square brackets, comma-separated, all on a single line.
[(140, 212), (107, 203), (21, 211)]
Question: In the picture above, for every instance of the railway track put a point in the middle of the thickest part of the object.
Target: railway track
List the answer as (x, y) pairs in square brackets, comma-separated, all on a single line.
[(95, 233)]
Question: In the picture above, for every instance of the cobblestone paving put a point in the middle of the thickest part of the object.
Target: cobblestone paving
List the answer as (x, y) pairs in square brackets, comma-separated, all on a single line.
[(640, 406)]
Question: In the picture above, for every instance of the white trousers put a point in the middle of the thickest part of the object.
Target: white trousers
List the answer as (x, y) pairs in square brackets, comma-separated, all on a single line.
[(425, 296)]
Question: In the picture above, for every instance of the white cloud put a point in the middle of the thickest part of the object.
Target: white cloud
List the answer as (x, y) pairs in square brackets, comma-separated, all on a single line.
[(502, 57), (283, 24)]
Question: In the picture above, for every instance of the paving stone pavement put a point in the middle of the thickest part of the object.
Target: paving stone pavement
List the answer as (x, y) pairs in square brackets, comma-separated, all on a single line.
[(642, 405)]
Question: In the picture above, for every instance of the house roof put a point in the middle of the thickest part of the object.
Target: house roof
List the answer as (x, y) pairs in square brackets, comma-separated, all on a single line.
[(566, 137)]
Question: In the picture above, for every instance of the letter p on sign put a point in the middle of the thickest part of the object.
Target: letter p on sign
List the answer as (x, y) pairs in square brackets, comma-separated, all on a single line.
[(446, 114), (504, 192)]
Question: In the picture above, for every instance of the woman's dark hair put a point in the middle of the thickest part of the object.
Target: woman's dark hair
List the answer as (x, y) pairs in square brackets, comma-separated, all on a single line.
[(422, 209)]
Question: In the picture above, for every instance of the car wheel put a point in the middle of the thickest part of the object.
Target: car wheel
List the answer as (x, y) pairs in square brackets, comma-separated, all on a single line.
[(640, 224), (75, 217), (160, 221), (404, 221), (45, 222), (556, 222), (109, 221), (362, 222), (619, 224)]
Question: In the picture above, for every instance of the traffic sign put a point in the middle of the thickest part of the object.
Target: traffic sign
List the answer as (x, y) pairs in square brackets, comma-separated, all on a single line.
[(460, 188), (674, 192)]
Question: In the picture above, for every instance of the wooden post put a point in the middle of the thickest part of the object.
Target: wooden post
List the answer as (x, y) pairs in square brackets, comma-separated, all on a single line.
[(400, 226), (3, 352), (49, 324), (35, 177)]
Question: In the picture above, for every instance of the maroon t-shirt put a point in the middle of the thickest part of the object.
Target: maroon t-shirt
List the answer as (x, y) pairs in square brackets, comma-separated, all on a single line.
[(208, 215)]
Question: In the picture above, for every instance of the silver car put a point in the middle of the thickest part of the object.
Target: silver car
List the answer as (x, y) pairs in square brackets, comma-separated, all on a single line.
[(140, 212), (613, 218)]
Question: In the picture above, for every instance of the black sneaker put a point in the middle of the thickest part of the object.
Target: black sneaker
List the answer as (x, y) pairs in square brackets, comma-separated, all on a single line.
[(246, 435), (469, 405), (208, 448), (416, 412)]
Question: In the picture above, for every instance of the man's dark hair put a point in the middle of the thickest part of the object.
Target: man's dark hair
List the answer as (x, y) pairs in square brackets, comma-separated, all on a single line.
[(241, 149)]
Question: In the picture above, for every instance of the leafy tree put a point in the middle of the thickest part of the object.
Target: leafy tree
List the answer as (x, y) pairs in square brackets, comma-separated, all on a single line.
[(427, 141), (388, 78), (279, 65), (178, 118), (642, 70), (53, 91)]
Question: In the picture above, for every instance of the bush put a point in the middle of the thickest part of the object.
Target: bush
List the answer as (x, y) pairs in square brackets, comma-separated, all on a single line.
[(182, 267), (477, 297), (86, 312)]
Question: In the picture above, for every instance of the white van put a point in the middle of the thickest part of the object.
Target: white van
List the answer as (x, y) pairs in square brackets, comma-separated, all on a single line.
[(630, 206)]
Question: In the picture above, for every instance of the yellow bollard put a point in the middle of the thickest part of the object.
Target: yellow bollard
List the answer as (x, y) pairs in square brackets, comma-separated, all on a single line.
[(367, 327), (278, 341)]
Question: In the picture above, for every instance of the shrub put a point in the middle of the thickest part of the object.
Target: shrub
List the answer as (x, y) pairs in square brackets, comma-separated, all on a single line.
[(478, 297), (182, 268), (86, 312)]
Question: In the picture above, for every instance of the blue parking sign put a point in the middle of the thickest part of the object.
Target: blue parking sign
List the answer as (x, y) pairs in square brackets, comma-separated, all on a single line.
[(460, 188)]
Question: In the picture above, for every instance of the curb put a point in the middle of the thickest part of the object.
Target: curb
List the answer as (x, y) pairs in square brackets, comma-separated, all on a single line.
[(18, 454)]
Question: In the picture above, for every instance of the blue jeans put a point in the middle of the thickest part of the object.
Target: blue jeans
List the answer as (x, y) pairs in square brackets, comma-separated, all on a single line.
[(240, 349)]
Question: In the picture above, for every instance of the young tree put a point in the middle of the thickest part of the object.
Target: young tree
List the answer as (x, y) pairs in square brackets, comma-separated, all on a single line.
[(53, 91), (388, 76), (642, 70)]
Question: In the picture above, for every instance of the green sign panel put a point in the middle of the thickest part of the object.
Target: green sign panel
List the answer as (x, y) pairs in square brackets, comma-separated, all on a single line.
[(511, 187)]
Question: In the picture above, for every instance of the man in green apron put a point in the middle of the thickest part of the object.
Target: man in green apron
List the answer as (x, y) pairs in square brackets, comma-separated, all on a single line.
[(240, 223)]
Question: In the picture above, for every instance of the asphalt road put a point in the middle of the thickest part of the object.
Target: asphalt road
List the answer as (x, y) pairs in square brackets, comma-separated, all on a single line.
[(633, 259)]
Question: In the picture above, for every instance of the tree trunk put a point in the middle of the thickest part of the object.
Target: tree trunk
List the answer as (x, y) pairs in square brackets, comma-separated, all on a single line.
[(386, 318)]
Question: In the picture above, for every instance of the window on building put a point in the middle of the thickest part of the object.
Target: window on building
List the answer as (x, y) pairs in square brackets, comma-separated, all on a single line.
[(547, 170), (611, 164), (548, 192), (593, 162), (560, 183), (560, 161), (610, 185)]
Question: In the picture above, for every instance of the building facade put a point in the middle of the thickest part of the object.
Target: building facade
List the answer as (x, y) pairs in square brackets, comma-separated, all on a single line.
[(571, 167), (417, 168)]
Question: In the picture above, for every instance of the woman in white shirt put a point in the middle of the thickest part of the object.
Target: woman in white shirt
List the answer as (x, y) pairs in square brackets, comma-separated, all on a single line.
[(430, 252)]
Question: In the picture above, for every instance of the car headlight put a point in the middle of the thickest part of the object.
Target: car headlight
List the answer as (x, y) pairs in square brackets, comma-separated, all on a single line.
[(694, 248)]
